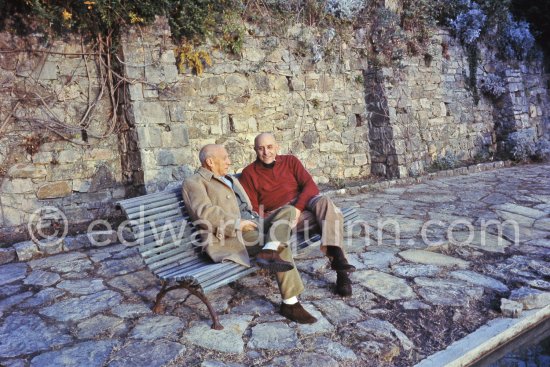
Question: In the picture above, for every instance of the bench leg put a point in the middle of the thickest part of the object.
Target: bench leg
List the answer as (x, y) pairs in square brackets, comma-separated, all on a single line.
[(158, 308), (199, 294), (194, 290)]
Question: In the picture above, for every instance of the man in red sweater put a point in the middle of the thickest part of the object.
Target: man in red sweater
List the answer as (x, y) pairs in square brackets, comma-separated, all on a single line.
[(273, 181)]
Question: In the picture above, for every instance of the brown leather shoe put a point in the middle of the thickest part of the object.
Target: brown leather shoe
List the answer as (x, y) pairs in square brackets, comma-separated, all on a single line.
[(338, 260), (297, 313), (270, 260), (343, 284)]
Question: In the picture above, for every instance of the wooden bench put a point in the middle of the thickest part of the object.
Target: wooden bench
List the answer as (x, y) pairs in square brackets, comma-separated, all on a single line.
[(168, 245)]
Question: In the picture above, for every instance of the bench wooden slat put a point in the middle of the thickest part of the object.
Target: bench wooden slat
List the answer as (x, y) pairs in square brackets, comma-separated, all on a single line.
[(348, 212), (155, 258), (171, 209), (148, 233), (145, 214), (214, 284), (161, 200), (151, 240), (165, 261), (349, 220), (215, 278), (186, 263), (151, 253), (303, 243), (160, 263), (151, 243), (209, 268), (178, 274), (187, 244), (156, 219), (131, 202), (190, 274), (155, 204)]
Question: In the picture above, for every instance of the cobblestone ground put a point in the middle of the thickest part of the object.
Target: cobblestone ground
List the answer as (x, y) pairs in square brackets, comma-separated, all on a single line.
[(430, 276)]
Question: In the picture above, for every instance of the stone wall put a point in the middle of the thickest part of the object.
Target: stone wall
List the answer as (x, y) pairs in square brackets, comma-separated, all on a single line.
[(525, 105), (316, 109), (430, 112), (343, 117), (49, 154)]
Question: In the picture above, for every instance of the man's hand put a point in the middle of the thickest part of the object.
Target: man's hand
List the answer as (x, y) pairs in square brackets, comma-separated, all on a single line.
[(247, 225), (298, 212)]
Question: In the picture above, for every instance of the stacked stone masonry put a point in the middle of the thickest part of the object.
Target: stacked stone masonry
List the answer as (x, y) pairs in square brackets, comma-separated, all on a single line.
[(316, 110), (49, 155), (344, 118), (431, 112)]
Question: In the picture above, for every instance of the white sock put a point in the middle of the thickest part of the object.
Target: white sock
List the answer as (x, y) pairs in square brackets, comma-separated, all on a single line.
[(273, 245), (291, 300)]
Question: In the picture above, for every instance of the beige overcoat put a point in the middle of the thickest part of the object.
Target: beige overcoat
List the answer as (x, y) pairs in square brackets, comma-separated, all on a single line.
[(213, 206)]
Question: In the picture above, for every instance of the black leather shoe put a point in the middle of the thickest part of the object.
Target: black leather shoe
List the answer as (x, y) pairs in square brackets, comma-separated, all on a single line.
[(338, 260), (270, 260), (343, 284), (297, 313)]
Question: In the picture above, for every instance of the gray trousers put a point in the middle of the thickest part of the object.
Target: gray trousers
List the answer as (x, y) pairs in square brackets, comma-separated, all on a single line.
[(321, 215)]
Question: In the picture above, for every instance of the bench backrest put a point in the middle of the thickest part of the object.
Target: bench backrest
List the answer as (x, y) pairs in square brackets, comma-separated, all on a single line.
[(161, 226), (166, 237)]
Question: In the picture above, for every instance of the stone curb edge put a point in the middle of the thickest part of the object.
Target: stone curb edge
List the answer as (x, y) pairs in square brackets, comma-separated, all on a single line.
[(480, 167), (487, 338)]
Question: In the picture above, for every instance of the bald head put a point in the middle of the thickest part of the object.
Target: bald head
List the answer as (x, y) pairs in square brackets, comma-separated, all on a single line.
[(214, 158), (266, 147), (264, 138)]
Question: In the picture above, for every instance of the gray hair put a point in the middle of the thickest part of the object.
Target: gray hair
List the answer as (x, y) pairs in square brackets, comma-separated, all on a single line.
[(209, 150)]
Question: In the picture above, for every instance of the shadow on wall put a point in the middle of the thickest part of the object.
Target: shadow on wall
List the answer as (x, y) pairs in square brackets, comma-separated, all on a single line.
[(53, 203), (169, 175)]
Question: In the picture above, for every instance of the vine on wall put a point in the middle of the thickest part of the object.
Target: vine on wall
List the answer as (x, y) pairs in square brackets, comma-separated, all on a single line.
[(491, 22), (33, 95), (391, 33)]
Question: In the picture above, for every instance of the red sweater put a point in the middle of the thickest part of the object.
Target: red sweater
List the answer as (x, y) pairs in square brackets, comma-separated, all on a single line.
[(286, 182)]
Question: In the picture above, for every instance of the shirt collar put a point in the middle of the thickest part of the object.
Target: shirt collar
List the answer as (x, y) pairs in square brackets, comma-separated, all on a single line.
[(266, 166), (226, 179)]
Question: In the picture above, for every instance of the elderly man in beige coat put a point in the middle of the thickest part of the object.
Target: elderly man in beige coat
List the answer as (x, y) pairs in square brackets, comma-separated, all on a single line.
[(231, 230)]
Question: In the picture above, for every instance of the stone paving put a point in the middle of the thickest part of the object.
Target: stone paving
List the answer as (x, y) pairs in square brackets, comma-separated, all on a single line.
[(428, 273)]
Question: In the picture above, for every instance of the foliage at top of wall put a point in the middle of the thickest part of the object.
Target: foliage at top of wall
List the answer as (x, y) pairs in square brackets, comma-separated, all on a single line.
[(346, 9), (190, 19), (537, 13), (492, 22), (90, 17), (195, 20), (391, 33), (418, 19)]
